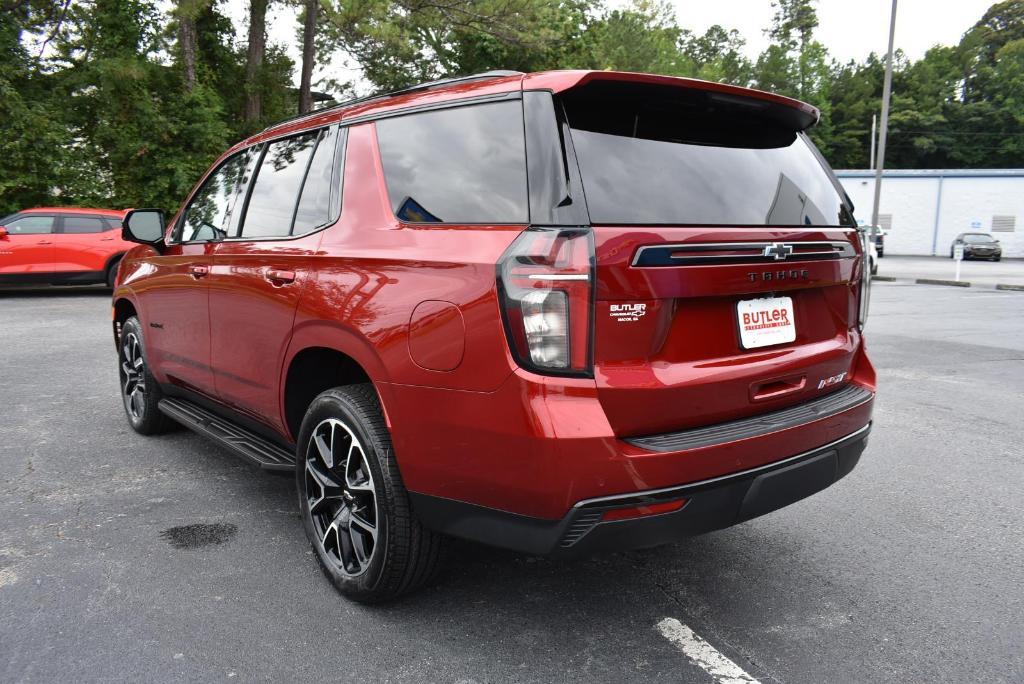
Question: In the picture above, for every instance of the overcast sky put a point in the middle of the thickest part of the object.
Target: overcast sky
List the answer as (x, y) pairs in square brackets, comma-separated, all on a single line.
[(851, 29)]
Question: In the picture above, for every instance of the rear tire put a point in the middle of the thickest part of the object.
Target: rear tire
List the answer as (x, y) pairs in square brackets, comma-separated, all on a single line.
[(112, 273), (140, 392), (354, 507)]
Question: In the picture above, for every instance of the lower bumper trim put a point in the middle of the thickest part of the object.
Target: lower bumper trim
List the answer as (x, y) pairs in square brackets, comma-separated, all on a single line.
[(710, 505)]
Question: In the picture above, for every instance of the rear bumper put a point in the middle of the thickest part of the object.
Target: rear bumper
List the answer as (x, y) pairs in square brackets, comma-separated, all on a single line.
[(710, 504), (536, 447)]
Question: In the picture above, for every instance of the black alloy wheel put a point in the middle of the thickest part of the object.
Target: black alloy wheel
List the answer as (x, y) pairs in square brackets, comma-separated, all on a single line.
[(140, 392), (341, 497), (353, 504)]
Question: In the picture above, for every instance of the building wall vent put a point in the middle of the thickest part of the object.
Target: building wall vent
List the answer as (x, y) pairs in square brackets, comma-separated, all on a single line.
[(1004, 223), (885, 222)]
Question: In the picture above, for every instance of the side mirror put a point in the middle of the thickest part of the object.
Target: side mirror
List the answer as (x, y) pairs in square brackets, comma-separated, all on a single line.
[(3, 233), (145, 226)]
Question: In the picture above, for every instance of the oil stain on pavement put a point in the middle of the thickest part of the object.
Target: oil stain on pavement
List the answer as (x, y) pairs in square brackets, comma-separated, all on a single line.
[(200, 534)]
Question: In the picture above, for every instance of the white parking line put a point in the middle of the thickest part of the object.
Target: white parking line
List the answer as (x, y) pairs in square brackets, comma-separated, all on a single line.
[(704, 654)]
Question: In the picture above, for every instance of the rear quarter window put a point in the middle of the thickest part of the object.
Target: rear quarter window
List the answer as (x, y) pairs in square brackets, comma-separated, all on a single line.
[(460, 165)]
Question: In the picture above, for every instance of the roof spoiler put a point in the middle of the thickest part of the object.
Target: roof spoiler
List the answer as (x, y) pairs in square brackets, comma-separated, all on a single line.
[(794, 113)]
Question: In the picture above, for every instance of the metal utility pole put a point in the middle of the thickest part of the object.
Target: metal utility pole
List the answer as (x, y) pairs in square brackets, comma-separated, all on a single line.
[(886, 92), (874, 134)]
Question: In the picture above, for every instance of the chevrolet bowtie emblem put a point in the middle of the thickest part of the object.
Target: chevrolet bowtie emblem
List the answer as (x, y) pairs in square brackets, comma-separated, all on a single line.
[(777, 250)]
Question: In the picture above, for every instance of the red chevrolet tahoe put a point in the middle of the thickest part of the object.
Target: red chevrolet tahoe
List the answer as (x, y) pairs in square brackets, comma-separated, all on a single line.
[(557, 312)]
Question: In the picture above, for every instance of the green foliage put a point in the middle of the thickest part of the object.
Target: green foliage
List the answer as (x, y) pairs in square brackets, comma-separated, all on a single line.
[(401, 43), (717, 56), (643, 37), (95, 108)]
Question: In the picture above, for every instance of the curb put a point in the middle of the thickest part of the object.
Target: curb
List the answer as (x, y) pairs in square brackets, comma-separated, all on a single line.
[(1004, 287), (933, 281)]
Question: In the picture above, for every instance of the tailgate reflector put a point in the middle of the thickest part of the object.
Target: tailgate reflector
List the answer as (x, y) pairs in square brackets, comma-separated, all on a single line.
[(641, 511)]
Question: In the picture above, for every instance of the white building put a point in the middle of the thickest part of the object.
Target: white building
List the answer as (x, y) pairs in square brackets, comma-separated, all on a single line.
[(925, 210)]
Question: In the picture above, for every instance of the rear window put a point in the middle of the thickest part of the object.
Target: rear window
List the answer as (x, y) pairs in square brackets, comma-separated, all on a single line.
[(463, 165), (83, 224), (659, 155)]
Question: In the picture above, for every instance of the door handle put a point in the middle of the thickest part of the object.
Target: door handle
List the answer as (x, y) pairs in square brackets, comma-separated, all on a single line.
[(198, 271), (106, 239), (44, 242), (279, 276)]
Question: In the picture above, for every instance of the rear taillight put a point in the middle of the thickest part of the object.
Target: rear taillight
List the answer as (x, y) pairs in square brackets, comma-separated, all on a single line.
[(865, 282), (545, 281)]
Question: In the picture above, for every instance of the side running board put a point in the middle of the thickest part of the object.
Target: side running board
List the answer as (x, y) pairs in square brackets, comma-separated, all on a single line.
[(242, 442)]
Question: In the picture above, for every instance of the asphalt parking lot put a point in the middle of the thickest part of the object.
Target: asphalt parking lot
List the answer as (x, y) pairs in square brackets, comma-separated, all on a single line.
[(985, 274), (910, 569)]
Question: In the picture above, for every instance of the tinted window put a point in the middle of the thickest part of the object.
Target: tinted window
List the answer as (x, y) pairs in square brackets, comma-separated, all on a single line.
[(30, 225), (314, 208), (464, 165), (276, 189), (83, 224), (677, 156), (976, 238), (209, 215)]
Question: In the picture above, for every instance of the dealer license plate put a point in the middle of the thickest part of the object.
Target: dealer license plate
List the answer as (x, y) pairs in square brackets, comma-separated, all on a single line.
[(767, 321)]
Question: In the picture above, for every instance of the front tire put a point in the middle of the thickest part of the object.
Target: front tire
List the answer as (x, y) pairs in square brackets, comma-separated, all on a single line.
[(354, 507), (140, 392)]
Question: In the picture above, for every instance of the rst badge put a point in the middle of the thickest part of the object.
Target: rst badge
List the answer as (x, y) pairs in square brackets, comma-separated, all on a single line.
[(832, 380), (627, 313)]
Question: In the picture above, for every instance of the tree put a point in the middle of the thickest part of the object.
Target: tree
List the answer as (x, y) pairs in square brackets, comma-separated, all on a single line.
[(856, 95), (410, 41), (185, 12), (127, 102), (796, 64), (310, 14), (33, 140), (254, 63), (642, 37), (718, 56)]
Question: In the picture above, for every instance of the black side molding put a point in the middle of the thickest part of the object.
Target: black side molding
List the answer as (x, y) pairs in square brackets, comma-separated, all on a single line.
[(236, 439), (845, 399)]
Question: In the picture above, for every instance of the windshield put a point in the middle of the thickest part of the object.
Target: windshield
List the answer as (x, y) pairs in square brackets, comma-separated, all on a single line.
[(977, 238), (676, 156)]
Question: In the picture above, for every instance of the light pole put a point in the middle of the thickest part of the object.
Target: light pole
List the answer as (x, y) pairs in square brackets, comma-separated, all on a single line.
[(874, 137), (886, 92)]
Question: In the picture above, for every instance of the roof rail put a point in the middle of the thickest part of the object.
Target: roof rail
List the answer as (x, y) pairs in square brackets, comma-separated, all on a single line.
[(401, 91)]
